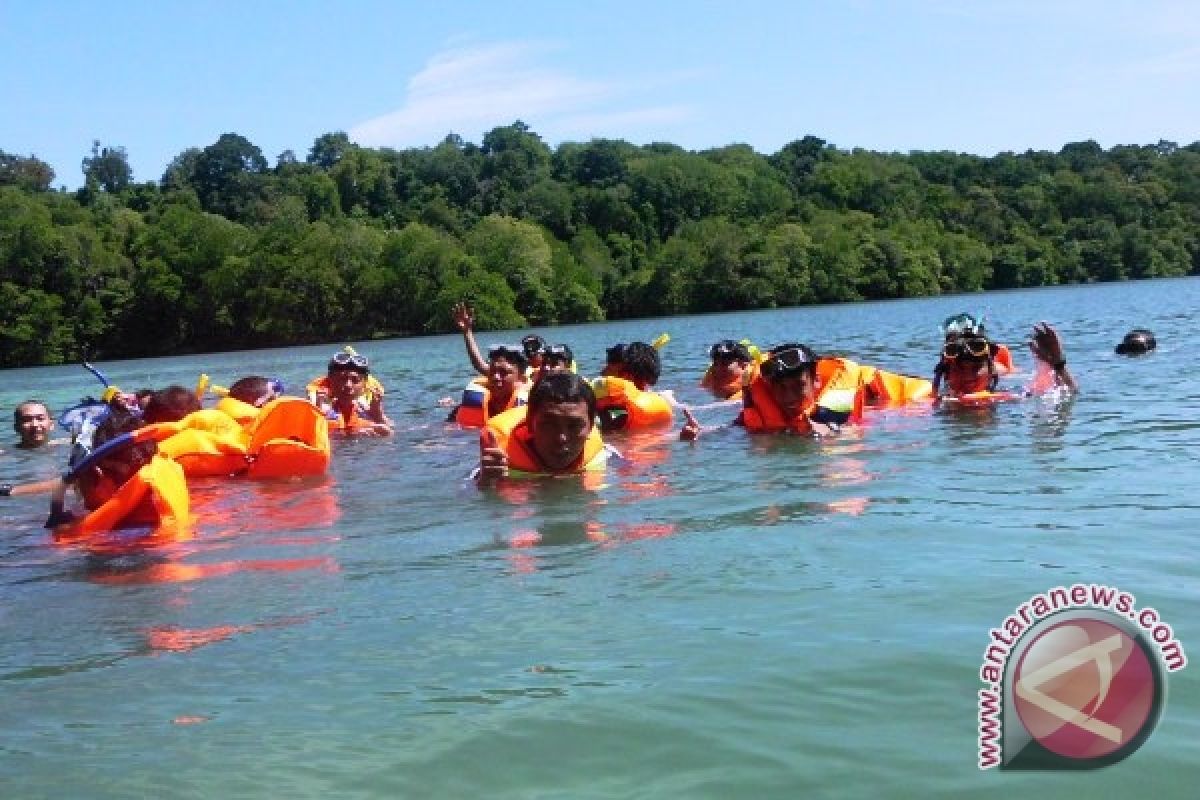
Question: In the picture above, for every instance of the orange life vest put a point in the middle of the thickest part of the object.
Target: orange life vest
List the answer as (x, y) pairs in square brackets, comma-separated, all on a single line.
[(287, 437), (472, 411), (155, 497), (892, 390), (840, 395), (514, 438), (622, 406)]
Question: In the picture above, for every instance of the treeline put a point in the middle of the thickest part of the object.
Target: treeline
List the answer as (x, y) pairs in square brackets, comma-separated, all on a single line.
[(227, 252)]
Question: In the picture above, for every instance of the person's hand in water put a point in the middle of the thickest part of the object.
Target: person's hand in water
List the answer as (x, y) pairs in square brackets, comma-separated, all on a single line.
[(493, 461), (691, 428), (464, 316)]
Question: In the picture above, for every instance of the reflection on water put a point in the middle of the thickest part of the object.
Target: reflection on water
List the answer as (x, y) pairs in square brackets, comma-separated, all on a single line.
[(741, 616)]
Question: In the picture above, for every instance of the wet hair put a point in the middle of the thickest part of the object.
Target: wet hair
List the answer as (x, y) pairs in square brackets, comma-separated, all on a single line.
[(250, 389), (1136, 342), (170, 405), (122, 464), (641, 361), (18, 413), (562, 387)]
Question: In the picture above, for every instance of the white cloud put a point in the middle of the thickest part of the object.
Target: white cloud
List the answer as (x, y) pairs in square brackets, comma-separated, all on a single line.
[(469, 90)]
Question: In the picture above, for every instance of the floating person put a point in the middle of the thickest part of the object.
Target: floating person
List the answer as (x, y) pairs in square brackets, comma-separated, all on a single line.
[(794, 390), (1138, 341), (318, 391), (730, 360), (555, 358), (124, 483), (350, 397), (556, 436), (623, 396), (504, 388), (967, 372), (34, 424)]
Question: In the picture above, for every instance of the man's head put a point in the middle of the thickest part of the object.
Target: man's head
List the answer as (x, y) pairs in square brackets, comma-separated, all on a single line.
[(347, 374), (533, 345), (968, 362), (560, 416), (256, 390), (790, 371), (729, 360), (556, 358), (1137, 342), (170, 405), (33, 423), (98, 482), (506, 369), (636, 362)]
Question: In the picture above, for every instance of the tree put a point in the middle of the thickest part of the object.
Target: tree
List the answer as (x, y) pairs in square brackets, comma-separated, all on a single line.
[(107, 168), (26, 173), (227, 176), (328, 149)]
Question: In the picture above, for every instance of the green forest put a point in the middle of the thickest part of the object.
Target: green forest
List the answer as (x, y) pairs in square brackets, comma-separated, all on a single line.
[(226, 251)]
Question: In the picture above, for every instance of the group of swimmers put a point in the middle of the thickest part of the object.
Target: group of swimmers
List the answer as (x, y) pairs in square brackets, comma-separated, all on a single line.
[(536, 415)]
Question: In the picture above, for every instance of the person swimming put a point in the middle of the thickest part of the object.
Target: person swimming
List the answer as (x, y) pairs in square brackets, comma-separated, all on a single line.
[(968, 365), (1138, 341), (730, 360), (349, 394), (33, 424)]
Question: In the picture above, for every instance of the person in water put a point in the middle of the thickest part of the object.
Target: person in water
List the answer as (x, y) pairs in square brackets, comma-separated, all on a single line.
[(785, 394), (968, 363), (623, 396), (1137, 342), (34, 424), (554, 358), (345, 395), (504, 388), (730, 360), (557, 436)]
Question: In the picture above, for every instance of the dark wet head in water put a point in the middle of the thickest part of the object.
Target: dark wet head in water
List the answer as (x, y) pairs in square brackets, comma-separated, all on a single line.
[(1136, 342)]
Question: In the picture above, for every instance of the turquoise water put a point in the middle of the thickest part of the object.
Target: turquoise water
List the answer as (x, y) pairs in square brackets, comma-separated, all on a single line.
[(772, 617)]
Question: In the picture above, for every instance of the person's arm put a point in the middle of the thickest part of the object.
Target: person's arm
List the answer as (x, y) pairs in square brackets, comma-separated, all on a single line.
[(22, 489), (464, 319), (1046, 346)]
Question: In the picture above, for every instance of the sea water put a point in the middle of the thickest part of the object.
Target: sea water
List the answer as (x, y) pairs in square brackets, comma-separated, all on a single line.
[(738, 617)]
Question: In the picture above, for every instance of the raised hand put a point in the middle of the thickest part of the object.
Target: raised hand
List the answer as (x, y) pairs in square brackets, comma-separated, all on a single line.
[(464, 316), (1046, 345)]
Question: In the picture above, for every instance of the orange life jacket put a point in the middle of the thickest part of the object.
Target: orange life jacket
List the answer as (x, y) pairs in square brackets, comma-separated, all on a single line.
[(156, 497), (514, 438), (892, 390), (472, 411), (622, 406), (840, 394), (287, 437)]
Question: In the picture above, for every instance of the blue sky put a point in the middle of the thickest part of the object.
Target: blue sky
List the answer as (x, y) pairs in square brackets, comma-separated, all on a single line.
[(978, 76)]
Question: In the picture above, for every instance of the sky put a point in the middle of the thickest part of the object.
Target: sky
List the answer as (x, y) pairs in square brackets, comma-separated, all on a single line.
[(975, 76)]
